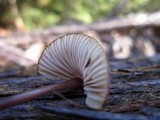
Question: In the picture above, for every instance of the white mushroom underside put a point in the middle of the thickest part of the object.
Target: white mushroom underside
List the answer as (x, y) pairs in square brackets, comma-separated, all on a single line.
[(78, 56)]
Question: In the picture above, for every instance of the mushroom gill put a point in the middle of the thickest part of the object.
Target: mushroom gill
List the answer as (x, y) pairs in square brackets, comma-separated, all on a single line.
[(78, 56)]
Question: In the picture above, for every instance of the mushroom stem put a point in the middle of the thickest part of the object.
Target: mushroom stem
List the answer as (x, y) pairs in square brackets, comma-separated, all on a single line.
[(33, 94)]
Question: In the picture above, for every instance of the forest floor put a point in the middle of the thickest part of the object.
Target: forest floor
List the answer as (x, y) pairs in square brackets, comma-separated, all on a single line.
[(135, 75)]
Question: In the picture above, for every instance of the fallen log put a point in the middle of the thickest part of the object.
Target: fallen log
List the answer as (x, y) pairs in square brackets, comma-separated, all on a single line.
[(130, 96)]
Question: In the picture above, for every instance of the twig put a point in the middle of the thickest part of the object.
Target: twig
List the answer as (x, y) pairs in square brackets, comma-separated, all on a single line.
[(72, 103), (24, 97)]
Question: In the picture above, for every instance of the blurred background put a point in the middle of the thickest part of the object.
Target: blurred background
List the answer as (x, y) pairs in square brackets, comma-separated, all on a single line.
[(38, 14), (127, 28)]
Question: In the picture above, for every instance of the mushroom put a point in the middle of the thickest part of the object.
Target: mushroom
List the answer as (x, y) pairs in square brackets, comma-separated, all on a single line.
[(79, 60)]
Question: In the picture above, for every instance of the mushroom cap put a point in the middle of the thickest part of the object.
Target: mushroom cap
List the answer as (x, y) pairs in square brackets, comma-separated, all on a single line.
[(78, 56)]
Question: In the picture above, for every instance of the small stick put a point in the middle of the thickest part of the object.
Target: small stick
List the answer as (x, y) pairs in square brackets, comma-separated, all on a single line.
[(33, 94), (71, 103)]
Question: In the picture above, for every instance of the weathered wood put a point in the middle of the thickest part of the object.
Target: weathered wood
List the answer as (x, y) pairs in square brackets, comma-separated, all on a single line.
[(130, 95), (89, 114)]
